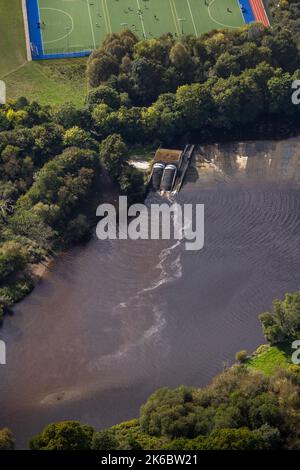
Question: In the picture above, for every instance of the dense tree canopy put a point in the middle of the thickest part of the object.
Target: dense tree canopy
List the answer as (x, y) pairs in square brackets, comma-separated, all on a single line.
[(241, 410), (52, 165), (282, 324), (7, 441), (67, 435)]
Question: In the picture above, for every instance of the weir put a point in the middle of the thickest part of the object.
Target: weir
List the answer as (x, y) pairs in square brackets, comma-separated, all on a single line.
[(169, 170)]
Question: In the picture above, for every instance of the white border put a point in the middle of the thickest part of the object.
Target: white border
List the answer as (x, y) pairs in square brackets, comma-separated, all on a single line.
[(267, 16), (26, 29)]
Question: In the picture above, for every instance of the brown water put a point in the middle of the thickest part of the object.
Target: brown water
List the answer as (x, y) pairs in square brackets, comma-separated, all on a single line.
[(113, 321)]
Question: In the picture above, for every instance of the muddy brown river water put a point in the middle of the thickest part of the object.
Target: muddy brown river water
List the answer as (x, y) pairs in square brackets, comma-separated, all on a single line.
[(113, 321)]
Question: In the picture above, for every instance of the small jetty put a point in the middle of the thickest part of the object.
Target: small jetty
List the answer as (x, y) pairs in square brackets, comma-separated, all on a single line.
[(169, 170)]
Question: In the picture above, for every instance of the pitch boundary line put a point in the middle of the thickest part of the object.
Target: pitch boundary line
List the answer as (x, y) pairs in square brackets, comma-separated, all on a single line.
[(108, 17), (266, 13), (141, 19), (192, 16), (172, 6), (91, 23), (240, 7), (39, 15), (175, 17), (100, 6), (26, 29), (218, 22), (105, 17)]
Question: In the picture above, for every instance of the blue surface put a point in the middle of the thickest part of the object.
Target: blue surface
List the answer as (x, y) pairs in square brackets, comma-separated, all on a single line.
[(35, 33), (247, 11), (68, 55)]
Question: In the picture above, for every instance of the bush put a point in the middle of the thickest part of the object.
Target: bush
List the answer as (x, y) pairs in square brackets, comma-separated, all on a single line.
[(241, 356), (282, 324), (7, 441), (105, 440), (234, 439), (66, 435)]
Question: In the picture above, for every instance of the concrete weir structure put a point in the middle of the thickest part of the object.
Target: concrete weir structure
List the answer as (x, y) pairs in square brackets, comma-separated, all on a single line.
[(169, 169)]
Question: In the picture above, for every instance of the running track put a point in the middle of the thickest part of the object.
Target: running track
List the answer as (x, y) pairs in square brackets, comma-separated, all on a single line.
[(260, 12)]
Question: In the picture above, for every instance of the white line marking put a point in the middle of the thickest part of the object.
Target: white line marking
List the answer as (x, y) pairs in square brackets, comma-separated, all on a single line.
[(13, 71), (26, 28), (141, 18), (192, 16), (218, 22), (90, 15), (172, 6), (66, 35), (40, 22), (240, 7)]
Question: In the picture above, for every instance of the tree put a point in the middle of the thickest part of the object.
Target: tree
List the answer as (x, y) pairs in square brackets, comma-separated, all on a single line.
[(226, 65), (26, 223), (101, 68), (153, 50), (76, 229), (68, 115), (241, 356), (4, 122), (284, 49), (7, 441), (13, 258), (147, 78), (234, 439), (48, 140), (132, 183), (105, 440), (114, 155), (279, 94), (283, 322), (170, 413), (271, 437), (104, 94), (76, 137), (263, 409), (66, 435), (130, 443), (181, 59), (195, 104)]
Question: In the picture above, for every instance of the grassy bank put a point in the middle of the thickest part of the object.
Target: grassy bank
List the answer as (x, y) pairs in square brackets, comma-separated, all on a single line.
[(268, 359), (12, 37), (50, 82)]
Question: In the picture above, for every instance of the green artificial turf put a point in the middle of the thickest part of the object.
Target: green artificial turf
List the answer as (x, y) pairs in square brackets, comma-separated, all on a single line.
[(78, 25)]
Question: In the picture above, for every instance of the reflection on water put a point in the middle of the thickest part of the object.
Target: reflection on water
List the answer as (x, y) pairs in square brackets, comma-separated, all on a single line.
[(113, 321), (266, 161)]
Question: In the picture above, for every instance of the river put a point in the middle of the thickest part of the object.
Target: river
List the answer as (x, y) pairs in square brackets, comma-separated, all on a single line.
[(113, 321)]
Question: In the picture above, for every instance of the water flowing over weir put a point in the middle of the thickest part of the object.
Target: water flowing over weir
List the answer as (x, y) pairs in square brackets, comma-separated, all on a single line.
[(113, 321)]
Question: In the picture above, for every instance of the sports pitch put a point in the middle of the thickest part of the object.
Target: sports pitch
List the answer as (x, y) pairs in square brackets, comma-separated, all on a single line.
[(70, 26)]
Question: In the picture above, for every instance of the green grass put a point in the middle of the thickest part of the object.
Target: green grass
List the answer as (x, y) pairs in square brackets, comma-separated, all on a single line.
[(12, 37), (275, 357), (82, 25), (50, 82)]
